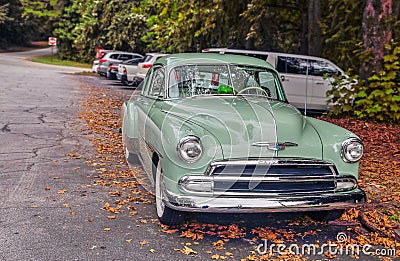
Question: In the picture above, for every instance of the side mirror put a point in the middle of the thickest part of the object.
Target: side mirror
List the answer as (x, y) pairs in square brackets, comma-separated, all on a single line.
[(282, 78)]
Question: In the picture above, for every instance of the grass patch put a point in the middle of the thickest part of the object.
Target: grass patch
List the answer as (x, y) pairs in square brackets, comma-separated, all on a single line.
[(56, 61)]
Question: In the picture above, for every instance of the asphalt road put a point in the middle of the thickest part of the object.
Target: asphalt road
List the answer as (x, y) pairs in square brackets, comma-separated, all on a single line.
[(49, 207), (37, 105)]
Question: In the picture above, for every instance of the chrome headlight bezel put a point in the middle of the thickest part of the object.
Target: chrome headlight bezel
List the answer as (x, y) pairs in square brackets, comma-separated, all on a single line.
[(194, 144), (349, 147)]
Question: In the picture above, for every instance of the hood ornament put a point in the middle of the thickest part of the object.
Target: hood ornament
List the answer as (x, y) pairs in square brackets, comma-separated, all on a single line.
[(275, 146)]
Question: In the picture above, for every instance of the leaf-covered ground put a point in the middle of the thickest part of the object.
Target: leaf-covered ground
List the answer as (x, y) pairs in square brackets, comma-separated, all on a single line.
[(375, 223)]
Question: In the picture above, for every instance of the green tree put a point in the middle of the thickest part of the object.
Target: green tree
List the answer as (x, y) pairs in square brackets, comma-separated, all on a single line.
[(85, 25), (66, 23), (341, 30), (42, 16), (13, 28), (178, 26), (230, 27), (4, 13), (275, 25)]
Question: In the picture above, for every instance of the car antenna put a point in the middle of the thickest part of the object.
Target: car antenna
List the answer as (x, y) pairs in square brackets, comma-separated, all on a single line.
[(305, 100)]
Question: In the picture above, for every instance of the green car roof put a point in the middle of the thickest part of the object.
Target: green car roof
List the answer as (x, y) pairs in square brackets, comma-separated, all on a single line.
[(210, 58)]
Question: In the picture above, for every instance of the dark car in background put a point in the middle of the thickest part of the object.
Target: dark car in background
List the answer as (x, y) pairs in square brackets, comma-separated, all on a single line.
[(112, 71)]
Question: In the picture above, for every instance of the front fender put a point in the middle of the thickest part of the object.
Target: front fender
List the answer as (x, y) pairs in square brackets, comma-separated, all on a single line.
[(172, 130), (332, 137)]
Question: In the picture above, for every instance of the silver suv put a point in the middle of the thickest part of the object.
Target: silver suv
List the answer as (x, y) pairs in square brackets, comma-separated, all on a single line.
[(305, 79), (114, 58)]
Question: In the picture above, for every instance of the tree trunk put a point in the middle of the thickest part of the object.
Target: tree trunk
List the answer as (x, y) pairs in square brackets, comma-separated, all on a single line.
[(395, 18), (304, 31), (376, 34), (314, 29)]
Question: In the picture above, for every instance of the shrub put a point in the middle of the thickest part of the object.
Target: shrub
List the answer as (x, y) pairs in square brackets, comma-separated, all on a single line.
[(376, 98)]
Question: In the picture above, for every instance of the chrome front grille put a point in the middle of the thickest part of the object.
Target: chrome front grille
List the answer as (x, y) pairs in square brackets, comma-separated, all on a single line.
[(272, 170), (282, 176)]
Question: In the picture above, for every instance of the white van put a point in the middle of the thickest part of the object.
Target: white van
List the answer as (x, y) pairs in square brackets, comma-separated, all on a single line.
[(302, 76)]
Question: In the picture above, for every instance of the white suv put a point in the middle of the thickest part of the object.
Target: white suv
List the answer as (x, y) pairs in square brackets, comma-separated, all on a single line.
[(144, 66), (303, 77)]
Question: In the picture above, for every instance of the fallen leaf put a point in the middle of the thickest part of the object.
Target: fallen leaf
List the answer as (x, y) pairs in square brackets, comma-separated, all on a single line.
[(188, 251)]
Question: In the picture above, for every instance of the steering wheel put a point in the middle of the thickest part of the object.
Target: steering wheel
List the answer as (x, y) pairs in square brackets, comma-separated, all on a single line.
[(253, 87)]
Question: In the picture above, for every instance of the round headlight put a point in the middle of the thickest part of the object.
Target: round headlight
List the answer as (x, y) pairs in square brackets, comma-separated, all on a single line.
[(190, 149), (352, 150)]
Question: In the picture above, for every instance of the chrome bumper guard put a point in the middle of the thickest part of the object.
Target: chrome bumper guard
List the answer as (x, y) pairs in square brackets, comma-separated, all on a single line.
[(264, 204)]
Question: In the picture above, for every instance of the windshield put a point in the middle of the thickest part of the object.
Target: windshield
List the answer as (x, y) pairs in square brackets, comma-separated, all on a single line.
[(223, 79)]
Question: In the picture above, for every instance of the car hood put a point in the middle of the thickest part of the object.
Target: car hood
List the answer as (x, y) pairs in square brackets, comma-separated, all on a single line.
[(249, 127)]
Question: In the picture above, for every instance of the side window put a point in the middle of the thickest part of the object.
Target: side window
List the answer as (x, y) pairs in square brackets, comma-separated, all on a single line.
[(125, 57), (320, 68), (114, 56), (259, 56), (251, 80), (292, 65), (155, 86), (147, 82), (268, 81), (281, 65), (147, 58), (131, 62)]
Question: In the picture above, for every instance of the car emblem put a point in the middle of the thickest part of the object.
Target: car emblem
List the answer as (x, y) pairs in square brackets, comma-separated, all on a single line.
[(275, 146)]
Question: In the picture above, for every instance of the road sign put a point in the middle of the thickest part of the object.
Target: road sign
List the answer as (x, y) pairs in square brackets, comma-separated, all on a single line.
[(52, 41)]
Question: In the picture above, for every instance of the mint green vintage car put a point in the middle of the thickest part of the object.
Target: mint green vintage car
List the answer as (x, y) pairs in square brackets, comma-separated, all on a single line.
[(215, 133)]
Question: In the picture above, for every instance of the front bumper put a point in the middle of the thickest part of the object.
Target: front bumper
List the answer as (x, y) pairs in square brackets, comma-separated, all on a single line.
[(264, 185), (293, 203)]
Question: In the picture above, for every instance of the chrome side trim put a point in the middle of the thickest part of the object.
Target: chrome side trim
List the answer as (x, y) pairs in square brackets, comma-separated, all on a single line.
[(294, 179), (266, 194)]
